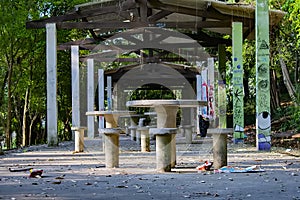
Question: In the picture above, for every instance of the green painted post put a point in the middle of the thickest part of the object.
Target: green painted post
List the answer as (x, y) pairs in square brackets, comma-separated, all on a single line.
[(238, 88), (222, 86), (263, 116)]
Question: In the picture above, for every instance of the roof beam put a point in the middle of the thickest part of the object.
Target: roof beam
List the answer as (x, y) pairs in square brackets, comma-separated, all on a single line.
[(88, 25), (159, 15), (214, 14)]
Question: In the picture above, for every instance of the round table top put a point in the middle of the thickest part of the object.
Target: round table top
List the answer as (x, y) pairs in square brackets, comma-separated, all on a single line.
[(166, 102), (109, 112)]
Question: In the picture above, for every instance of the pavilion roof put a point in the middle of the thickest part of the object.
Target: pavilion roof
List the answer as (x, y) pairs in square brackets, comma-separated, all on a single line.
[(197, 17)]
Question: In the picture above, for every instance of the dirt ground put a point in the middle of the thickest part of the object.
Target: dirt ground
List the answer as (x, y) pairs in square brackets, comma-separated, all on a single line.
[(83, 175)]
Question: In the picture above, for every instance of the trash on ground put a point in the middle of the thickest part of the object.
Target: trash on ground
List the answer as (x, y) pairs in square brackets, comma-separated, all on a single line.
[(20, 169), (231, 169), (35, 173), (205, 167)]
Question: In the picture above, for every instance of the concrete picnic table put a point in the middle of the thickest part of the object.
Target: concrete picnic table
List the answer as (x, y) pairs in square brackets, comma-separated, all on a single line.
[(166, 111), (111, 134)]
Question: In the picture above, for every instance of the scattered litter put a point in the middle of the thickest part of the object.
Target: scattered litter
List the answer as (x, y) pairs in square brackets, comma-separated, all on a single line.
[(56, 182), (35, 173), (231, 169), (20, 169), (205, 167), (121, 186), (60, 177)]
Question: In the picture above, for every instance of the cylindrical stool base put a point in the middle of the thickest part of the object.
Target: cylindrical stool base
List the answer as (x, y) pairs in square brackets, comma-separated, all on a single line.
[(163, 153), (145, 140), (220, 150)]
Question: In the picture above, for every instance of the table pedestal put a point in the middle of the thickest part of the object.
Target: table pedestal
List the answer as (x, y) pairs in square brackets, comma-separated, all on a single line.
[(133, 132), (166, 118), (188, 130)]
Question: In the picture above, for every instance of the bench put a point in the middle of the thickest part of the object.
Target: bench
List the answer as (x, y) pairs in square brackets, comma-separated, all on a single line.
[(79, 138), (165, 155), (219, 145), (111, 149)]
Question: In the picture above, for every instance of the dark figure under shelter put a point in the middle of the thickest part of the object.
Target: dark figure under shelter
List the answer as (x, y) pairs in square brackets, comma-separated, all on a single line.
[(203, 125)]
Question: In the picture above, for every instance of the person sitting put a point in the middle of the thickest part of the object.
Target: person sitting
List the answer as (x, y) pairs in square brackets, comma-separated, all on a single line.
[(203, 125)]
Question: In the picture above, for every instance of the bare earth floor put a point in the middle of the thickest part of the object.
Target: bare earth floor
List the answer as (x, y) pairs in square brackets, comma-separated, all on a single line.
[(84, 176)]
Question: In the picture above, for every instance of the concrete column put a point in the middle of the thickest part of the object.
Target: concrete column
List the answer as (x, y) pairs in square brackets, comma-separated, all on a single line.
[(237, 79), (90, 97), (101, 103), (101, 95), (204, 90), (75, 88), (109, 93), (211, 91), (51, 60), (263, 107), (222, 122), (199, 97)]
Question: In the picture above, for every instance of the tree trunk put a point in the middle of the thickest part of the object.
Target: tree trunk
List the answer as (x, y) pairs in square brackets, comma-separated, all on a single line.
[(9, 107), (275, 102), (30, 128), (287, 81), (24, 127)]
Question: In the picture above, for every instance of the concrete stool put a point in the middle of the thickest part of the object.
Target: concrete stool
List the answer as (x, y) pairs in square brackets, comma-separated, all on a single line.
[(188, 130), (145, 138), (127, 131), (138, 136), (219, 145), (111, 136), (132, 132), (79, 138), (164, 154), (181, 131)]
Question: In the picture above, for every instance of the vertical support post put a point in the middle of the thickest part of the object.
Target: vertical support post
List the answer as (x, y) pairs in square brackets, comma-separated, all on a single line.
[(211, 91), (51, 61), (101, 95), (109, 96), (263, 114), (199, 98), (75, 88), (204, 90), (90, 97), (238, 88), (222, 86)]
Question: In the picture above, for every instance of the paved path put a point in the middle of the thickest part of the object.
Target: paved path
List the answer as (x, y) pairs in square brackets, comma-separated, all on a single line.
[(84, 176)]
